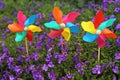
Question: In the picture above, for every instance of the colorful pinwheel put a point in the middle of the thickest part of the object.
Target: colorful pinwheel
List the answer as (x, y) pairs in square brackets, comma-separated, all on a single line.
[(24, 28), (98, 30), (62, 25)]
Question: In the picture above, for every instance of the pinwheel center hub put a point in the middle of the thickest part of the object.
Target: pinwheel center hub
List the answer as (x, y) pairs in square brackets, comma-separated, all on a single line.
[(25, 28), (98, 32), (62, 25)]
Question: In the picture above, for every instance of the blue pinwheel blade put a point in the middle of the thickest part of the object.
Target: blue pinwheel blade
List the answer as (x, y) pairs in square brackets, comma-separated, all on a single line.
[(20, 36), (52, 25), (73, 28), (106, 24), (88, 37), (30, 20)]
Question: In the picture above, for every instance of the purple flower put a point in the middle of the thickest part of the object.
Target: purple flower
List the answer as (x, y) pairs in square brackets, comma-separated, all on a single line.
[(20, 59), (2, 5), (39, 16), (3, 35), (108, 45), (117, 9), (45, 67), (32, 67), (94, 55), (118, 41), (37, 75), (56, 55), (35, 56), (69, 76), (18, 70), (50, 64), (117, 27), (112, 16), (115, 69), (39, 4), (51, 75), (61, 59), (10, 60), (112, 64), (96, 70), (11, 77), (117, 56)]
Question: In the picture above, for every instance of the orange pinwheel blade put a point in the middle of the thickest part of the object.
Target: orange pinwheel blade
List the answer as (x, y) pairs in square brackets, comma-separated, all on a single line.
[(109, 34), (99, 18), (15, 27), (57, 13)]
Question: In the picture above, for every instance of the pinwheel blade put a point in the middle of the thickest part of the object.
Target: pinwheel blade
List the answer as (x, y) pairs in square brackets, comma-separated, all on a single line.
[(101, 41), (21, 18), (15, 27), (106, 24), (30, 20), (88, 26), (109, 34), (52, 25), (88, 37), (20, 36), (29, 35), (70, 17), (57, 13), (73, 28), (54, 33), (66, 34), (98, 19), (34, 28)]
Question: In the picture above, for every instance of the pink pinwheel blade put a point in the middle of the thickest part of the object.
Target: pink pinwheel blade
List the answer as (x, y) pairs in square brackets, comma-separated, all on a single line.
[(54, 33), (21, 18), (70, 17), (101, 41)]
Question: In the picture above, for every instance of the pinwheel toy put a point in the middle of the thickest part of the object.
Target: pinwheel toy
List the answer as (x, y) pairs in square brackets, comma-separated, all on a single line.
[(62, 25), (24, 28), (98, 30)]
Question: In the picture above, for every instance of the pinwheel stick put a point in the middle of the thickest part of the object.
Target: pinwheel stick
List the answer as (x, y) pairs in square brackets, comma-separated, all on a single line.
[(98, 55), (26, 45)]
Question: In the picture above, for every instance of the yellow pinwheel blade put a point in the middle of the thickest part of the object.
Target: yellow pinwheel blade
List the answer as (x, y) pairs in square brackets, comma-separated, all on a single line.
[(66, 34), (89, 27), (34, 28)]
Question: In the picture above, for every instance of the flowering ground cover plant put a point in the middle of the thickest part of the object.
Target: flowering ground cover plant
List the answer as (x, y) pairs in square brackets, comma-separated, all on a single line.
[(56, 59)]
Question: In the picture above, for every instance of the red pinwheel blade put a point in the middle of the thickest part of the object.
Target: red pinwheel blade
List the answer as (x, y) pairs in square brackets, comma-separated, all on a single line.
[(54, 33), (21, 18), (57, 13), (101, 41), (98, 19), (29, 35)]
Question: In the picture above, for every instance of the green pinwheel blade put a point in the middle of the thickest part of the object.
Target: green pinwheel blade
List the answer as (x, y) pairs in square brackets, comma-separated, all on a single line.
[(20, 36), (106, 24), (52, 25)]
